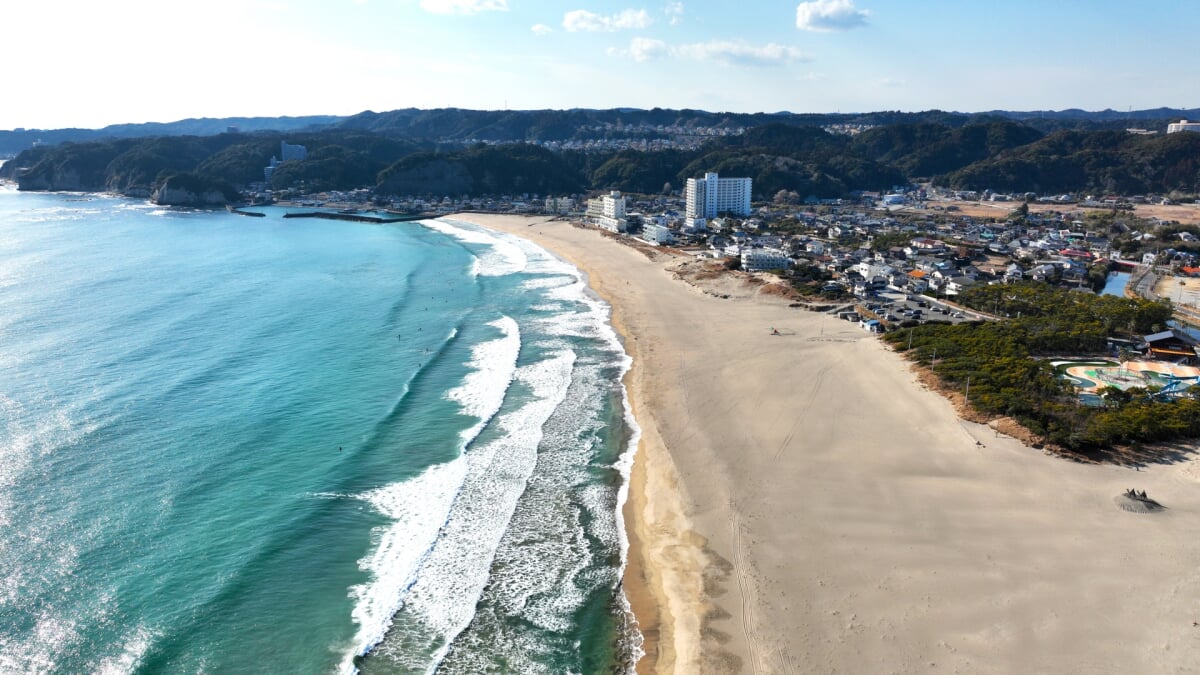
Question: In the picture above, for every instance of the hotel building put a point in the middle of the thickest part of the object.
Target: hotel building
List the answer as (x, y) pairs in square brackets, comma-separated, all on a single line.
[(711, 195), (608, 212)]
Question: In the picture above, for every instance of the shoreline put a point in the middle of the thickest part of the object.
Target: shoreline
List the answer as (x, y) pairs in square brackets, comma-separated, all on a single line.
[(643, 583), (801, 502)]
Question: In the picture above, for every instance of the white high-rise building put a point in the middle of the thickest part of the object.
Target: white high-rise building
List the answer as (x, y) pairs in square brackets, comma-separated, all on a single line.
[(289, 152), (608, 212), (708, 196)]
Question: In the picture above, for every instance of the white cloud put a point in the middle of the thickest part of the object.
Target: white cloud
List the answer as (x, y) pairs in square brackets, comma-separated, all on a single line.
[(463, 6), (824, 16), (643, 49), (729, 53), (646, 49), (890, 82), (741, 54), (580, 20), (674, 12), (541, 29)]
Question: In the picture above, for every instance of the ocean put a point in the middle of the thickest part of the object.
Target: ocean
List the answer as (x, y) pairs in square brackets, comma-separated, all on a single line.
[(268, 445)]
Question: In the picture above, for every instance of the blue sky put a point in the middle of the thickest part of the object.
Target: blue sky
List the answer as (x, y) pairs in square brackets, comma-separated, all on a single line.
[(88, 64)]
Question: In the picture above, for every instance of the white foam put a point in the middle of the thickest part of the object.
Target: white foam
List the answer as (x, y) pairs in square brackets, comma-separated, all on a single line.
[(503, 257), (547, 542), (140, 206), (452, 578), (545, 571), (136, 646), (594, 322), (420, 507), (482, 392), (546, 282)]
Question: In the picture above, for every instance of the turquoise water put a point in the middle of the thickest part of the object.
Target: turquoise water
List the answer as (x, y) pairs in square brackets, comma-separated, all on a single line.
[(234, 444)]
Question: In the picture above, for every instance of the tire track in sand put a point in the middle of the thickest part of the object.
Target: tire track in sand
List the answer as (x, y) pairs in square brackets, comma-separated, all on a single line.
[(746, 588), (814, 389)]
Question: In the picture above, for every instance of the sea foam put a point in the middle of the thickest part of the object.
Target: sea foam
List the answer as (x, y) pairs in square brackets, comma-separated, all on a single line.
[(501, 258), (420, 507), (595, 321), (452, 578), (546, 595)]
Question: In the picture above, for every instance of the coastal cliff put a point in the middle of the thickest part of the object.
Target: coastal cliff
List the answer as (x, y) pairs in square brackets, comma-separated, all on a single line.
[(52, 179), (192, 190)]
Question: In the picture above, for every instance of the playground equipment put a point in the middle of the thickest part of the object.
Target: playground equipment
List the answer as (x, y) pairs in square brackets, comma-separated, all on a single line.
[(1176, 387)]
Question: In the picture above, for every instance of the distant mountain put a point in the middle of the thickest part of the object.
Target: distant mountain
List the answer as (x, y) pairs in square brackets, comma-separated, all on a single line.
[(1154, 119), (456, 125), (1106, 115), (453, 151), (453, 124), (13, 142)]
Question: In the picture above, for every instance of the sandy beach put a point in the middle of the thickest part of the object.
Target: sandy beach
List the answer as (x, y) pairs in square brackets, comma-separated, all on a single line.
[(800, 503)]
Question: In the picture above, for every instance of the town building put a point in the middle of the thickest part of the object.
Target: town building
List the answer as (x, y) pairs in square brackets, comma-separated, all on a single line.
[(608, 212), (1182, 125), (289, 152), (1171, 345), (759, 259), (658, 233), (560, 205), (712, 195)]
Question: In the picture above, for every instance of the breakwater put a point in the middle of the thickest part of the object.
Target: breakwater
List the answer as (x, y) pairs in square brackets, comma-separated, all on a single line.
[(356, 217), (237, 210)]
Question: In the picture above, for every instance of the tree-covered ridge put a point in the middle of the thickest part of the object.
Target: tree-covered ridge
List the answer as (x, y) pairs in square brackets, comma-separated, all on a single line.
[(998, 358), (985, 153), (509, 126), (1108, 162), (926, 150), (483, 169), (337, 160)]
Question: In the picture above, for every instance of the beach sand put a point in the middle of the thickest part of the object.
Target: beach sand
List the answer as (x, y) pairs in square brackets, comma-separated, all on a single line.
[(800, 503)]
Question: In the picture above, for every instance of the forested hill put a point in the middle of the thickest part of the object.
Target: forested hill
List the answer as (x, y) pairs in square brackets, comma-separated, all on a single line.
[(14, 141), (985, 153), (1109, 162), (507, 126), (135, 167)]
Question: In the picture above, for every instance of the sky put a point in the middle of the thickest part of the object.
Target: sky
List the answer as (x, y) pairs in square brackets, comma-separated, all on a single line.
[(90, 63)]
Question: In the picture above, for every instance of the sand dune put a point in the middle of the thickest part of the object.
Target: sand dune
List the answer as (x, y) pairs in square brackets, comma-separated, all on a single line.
[(801, 504)]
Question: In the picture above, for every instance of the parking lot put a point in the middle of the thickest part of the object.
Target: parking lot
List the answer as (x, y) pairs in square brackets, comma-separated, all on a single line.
[(895, 307)]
